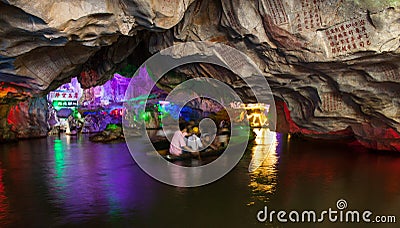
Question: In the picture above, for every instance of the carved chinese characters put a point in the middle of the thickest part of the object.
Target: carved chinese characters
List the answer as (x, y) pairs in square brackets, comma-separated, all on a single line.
[(277, 11), (384, 72), (347, 37), (307, 16), (331, 102)]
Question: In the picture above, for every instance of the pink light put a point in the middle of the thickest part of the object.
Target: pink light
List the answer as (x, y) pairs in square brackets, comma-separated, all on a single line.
[(164, 102)]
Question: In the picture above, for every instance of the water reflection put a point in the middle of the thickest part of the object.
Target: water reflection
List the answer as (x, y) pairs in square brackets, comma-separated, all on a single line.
[(71, 181), (263, 163), (3, 198), (59, 166), (84, 180)]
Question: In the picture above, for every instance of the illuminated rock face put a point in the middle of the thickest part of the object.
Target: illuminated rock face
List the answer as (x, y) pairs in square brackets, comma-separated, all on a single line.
[(333, 63), (25, 119)]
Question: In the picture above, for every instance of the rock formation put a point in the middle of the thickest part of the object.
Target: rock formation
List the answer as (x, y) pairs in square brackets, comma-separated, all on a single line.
[(333, 65), (112, 133)]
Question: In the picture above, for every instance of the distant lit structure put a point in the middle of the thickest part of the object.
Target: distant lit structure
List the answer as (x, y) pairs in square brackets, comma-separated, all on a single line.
[(66, 96), (256, 113), (102, 101), (111, 93), (63, 99), (72, 96)]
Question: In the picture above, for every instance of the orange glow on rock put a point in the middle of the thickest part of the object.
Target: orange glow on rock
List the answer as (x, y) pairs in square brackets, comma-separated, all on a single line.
[(5, 91)]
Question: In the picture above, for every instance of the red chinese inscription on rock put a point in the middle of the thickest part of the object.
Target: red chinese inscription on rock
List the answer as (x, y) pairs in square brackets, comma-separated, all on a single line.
[(308, 16), (277, 11), (347, 37), (332, 102)]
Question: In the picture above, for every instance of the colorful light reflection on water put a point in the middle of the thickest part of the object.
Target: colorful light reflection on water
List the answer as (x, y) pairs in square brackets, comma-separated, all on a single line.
[(3, 198), (90, 182), (264, 158), (71, 181)]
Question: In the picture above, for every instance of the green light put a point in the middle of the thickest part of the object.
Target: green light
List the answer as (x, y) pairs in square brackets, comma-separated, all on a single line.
[(146, 116), (56, 105), (59, 157), (161, 111), (112, 127), (59, 105), (76, 114)]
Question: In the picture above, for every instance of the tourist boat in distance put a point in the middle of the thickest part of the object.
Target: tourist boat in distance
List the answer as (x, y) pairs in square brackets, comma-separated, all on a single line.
[(188, 156)]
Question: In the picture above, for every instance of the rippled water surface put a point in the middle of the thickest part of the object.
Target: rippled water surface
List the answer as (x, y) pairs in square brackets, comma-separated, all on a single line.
[(71, 181)]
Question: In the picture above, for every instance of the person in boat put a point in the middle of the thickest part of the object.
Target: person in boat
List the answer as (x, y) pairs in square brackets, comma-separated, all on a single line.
[(194, 140), (178, 145), (224, 133), (213, 145)]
